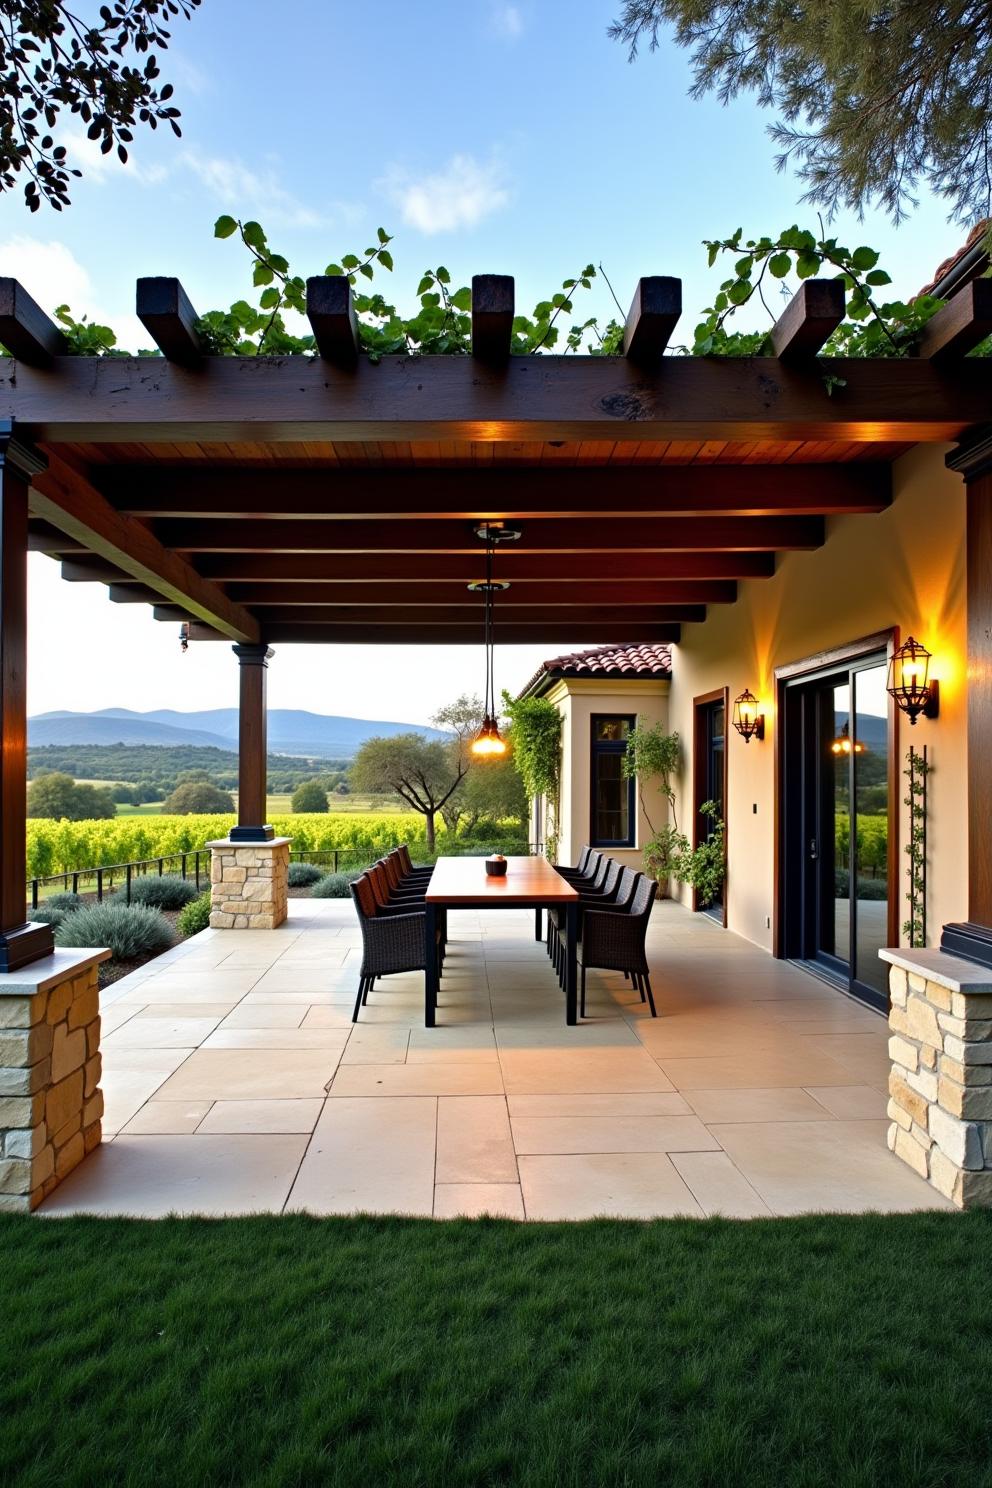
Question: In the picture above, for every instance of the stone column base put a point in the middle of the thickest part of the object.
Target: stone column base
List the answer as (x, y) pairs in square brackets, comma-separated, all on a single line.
[(50, 1097), (940, 1084), (249, 884)]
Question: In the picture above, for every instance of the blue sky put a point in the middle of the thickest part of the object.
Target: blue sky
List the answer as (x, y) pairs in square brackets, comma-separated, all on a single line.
[(487, 136)]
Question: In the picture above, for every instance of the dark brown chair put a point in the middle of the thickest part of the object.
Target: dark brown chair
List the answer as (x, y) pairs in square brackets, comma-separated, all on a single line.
[(615, 940), (390, 943)]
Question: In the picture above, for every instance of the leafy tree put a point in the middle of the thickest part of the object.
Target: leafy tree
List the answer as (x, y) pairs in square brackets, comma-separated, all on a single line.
[(492, 792), (874, 99), (103, 71), (309, 796), (197, 798), (535, 737), (58, 797), (424, 772)]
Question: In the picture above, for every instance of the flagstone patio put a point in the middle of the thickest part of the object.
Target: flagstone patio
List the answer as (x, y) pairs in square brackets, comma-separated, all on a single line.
[(236, 1082)]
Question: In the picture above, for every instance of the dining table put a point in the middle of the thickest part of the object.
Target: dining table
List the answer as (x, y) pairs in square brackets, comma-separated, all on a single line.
[(529, 883)]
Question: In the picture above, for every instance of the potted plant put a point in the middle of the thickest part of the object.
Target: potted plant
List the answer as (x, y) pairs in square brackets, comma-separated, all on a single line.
[(654, 754)]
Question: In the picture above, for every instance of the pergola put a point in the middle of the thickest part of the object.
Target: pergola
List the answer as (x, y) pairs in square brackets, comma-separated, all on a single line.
[(329, 499)]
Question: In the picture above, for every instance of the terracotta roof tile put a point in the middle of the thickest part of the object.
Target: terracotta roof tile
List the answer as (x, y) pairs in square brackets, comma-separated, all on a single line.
[(607, 661), (975, 236)]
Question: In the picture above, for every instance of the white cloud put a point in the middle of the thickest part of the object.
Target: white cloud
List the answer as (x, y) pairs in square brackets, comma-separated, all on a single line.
[(53, 276), (507, 21), (95, 166), (460, 195), (236, 185)]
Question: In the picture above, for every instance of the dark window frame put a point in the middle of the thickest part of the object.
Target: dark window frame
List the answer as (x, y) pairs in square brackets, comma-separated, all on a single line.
[(597, 749)]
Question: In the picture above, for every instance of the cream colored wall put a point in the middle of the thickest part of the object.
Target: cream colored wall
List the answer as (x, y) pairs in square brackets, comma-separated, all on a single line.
[(577, 701), (904, 567)]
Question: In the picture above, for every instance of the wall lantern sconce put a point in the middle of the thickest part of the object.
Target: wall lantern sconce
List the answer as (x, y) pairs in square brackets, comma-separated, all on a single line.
[(748, 722), (909, 681)]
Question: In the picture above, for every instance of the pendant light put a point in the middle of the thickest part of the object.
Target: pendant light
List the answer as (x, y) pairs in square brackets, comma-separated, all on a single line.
[(488, 742)]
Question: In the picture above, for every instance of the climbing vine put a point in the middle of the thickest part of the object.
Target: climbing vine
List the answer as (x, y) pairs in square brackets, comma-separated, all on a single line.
[(917, 771), (535, 732)]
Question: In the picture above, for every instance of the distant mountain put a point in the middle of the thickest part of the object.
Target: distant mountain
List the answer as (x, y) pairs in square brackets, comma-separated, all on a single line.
[(291, 730)]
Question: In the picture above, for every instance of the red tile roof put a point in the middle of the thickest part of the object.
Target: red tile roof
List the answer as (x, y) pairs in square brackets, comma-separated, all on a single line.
[(974, 238), (606, 661)]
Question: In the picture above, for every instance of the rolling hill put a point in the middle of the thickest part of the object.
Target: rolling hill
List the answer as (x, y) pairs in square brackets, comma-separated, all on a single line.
[(292, 731)]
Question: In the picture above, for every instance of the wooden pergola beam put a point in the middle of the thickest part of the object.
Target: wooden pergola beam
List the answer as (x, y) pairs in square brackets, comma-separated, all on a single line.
[(92, 571), (545, 633), (44, 539), (492, 316), (961, 324), (166, 312), (809, 319), (232, 399), (578, 617), (586, 534), (64, 498), (131, 594), (672, 490), (653, 315), (546, 569), (331, 313), (26, 331), (581, 593)]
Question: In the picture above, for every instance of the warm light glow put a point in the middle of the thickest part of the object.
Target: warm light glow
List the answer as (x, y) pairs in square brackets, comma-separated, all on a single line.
[(843, 744), (909, 680), (748, 722), (488, 742)]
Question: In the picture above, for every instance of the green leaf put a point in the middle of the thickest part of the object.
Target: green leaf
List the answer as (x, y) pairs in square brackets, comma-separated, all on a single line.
[(425, 284), (262, 274), (807, 265), (443, 277), (864, 258), (366, 270), (383, 235), (269, 299), (386, 259), (462, 298), (334, 271), (253, 235), (350, 261), (877, 276), (224, 227), (779, 264)]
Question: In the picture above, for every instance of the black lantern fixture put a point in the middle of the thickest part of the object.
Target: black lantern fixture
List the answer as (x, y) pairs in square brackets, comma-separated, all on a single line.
[(909, 681), (748, 722), (489, 742)]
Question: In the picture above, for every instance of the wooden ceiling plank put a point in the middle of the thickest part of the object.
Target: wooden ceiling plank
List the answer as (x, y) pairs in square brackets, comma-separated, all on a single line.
[(94, 571), (577, 616), (809, 319), (429, 568), (653, 315), (492, 316), (542, 634), (961, 324), (26, 332), (165, 311), (531, 592), (64, 498), (331, 313)]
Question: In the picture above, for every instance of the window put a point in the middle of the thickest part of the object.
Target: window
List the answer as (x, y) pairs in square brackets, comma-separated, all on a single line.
[(612, 794)]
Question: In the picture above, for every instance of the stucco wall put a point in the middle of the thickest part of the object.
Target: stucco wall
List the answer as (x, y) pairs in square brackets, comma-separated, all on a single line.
[(904, 567), (578, 701)]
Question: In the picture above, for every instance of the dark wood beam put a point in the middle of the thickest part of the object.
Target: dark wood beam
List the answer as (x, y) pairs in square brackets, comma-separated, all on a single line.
[(577, 617), (165, 311), (44, 539), (252, 747), (653, 315), (963, 322), (533, 592), (809, 319), (331, 313), (63, 497), (132, 594), (540, 536), (178, 615), (114, 399), (547, 633), (492, 316), (431, 568), (26, 332), (389, 494), (93, 571)]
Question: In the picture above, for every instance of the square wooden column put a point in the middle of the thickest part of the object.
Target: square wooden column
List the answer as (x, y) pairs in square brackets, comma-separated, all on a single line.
[(21, 942), (973, 938), (252, 745)]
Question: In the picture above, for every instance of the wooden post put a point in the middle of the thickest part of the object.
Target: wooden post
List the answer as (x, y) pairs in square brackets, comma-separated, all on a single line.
[(974, 937), (20, 941), (252, 745)]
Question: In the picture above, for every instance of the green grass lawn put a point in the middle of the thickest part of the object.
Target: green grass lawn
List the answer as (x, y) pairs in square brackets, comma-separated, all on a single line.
[(821, 1351)]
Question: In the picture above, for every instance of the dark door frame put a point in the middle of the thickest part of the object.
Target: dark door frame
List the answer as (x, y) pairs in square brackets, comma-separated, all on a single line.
[(700, 744), (809, 666)]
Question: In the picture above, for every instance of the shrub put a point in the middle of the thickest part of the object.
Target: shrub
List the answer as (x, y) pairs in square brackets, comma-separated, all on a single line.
[(57, 796), (333, 886), (308, 797), (46, 914), (65, 902), (165, 891), (302, 875), (197, 798), (195, 917), (130, 930)]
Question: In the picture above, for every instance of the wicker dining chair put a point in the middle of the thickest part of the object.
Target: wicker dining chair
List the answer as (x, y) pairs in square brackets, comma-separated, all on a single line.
[(412, 870), (615, 940), (390, 943), (581, 866), (605, 894), (397, 887)]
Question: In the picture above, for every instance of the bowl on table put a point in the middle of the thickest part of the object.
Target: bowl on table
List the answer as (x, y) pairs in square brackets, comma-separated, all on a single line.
[(496, 866)]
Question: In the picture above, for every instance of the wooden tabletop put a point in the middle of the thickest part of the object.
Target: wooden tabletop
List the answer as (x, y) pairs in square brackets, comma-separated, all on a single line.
[(529, 880)]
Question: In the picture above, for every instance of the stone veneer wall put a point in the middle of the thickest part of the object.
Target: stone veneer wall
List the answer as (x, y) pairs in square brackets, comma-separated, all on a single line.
[(50, 1097), (249, 884), (940, 1084)]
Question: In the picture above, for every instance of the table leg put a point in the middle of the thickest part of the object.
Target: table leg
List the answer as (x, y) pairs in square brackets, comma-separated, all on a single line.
[(538, 923), (430, 964), (571, 948)]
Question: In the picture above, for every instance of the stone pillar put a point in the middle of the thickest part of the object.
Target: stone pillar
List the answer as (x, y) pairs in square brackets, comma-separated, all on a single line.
[(50, 1097), (940, 1084), (249, 884)]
